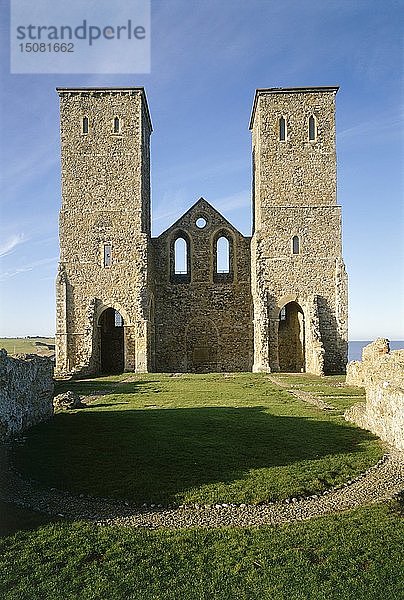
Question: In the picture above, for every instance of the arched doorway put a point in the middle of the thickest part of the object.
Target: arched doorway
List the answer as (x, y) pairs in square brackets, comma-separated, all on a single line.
[(112, 341), (291, 338), (201, 344)]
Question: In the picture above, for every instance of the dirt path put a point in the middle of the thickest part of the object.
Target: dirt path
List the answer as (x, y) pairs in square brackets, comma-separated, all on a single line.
[(305, 396)]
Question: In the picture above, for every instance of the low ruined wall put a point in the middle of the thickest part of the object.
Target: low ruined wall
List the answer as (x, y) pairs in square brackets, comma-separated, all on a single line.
[(381, 373), (26, 392)]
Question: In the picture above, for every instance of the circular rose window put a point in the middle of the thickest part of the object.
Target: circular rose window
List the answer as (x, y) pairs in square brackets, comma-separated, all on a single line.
[(201, 222)]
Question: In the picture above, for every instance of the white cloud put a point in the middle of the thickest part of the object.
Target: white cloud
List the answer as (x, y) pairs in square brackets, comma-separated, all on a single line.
[(12, 242), (33, 164), (380, 126), (29, 267), (234, 201)]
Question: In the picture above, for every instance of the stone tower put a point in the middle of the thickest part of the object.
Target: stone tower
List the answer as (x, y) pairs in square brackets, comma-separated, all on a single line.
[(104, 286), (299, 283), (200, 297)]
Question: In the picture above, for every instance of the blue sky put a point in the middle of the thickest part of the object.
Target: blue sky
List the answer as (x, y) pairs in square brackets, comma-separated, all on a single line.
[(207, 59)]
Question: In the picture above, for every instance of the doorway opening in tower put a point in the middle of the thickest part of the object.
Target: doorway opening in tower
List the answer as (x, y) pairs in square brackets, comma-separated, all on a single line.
[(112, 341), (291, 339)]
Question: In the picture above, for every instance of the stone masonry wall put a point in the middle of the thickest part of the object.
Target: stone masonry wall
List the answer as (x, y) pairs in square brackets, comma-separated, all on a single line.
[(303, 172), (26, 392), (105, 200), (294, 196), (203, 320), (381, 373)]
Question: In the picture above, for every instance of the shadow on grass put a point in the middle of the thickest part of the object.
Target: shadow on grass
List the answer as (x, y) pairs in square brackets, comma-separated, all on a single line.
[(14, 518), (106, 405), (159, 454), (85, 388), (98, 386)]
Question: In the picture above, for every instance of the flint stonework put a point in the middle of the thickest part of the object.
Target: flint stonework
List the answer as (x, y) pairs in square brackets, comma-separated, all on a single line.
[(280, 303), (26, 392), (381, 373)]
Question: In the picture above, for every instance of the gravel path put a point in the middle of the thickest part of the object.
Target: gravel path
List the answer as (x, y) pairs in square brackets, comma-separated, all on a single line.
[(377, 484)]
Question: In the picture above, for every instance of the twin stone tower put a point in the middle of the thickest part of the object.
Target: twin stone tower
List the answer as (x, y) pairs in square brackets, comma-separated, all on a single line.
[(200, 297)]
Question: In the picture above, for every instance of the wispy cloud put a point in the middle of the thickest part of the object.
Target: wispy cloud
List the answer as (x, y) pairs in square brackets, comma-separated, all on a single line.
[(11, 243), (29, 267), (171, 206), (240, 199), (33, 165), (380, 125)]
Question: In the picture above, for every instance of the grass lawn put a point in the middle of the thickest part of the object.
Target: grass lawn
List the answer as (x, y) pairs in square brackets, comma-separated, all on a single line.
[(352, 556), (202, 438), (198, 438), (41, 346)]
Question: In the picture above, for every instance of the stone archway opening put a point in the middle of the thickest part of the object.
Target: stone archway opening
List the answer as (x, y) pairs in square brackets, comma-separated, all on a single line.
[(291, 339), (111, 326)]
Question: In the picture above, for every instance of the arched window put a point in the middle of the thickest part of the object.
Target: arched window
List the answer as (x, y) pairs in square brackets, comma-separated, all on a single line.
[(118, 319), (117, 125), (84, 125), (222, 255), (180, 257), (295, 245), (282, 129), (312, 128)]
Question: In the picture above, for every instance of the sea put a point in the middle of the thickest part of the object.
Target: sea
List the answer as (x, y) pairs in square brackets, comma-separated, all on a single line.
[(355, 348)]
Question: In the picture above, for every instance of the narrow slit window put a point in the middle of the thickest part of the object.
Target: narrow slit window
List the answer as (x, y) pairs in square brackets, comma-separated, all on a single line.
[(180, 257), (282, 314), (117, 125), (85, 125), (282, 129), (107, 255), (222, 255), (312, 128), (295, 245)]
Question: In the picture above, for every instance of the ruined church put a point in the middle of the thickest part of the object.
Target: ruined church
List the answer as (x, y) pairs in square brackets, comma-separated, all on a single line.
[(200, 297)]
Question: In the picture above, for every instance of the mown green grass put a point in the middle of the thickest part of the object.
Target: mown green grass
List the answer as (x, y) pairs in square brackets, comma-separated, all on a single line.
[(352, 556), (195, 438), (332, 389), (26, 345)]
